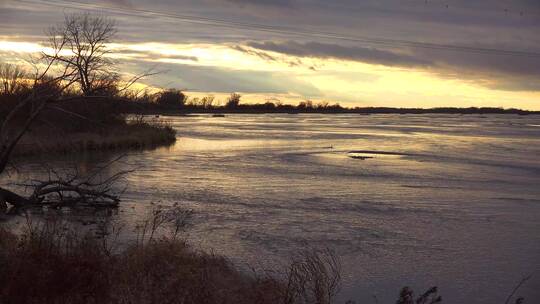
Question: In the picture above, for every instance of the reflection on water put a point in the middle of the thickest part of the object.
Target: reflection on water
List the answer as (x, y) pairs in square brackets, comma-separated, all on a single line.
[(441, 200)]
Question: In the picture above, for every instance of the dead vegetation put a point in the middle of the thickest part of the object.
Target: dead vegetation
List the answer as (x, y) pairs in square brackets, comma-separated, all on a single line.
[(57, 108), (128, 135), (53, 262), (72, 89), (99, 187), (68, 188)]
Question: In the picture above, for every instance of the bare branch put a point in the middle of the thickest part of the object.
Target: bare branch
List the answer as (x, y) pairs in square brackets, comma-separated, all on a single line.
[(11, 78), (71, 189), (85, 37), (518, 286)]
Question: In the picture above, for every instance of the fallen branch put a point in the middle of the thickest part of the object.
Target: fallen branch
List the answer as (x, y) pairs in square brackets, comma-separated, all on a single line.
[(71, 189), (12, 198), (518, 286)]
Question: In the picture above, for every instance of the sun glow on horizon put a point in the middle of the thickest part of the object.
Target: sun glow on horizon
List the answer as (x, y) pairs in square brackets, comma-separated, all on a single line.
[(350, 83)]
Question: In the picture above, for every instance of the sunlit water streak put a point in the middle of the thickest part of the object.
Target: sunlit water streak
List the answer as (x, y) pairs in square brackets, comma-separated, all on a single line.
[(456, 202)]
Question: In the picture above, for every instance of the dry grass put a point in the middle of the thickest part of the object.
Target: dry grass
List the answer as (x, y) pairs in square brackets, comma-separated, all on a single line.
[(116, 137), (79, 125), (52, 262)]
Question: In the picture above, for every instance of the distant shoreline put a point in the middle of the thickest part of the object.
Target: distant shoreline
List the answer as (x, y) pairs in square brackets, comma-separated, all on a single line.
[(157, 110)]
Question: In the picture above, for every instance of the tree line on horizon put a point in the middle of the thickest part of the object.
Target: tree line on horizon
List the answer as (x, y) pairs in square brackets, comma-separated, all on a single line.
[(79, 67), (177, 100), (16, 83)]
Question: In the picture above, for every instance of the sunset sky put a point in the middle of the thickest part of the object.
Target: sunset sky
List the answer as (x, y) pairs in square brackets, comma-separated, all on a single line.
[(396, 53)]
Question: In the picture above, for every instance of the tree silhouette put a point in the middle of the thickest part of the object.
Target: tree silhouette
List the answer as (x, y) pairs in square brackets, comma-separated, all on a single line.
[(233, 101), (83, 39)]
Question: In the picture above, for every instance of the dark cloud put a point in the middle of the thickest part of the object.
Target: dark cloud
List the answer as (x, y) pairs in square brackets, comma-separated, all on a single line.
[(324, 50), (492, 70), (278, 3), (495, 71), (152, 55), (511, 25), (214, 79), (176, 57), (250, 51), (120, 3), (267, 57)]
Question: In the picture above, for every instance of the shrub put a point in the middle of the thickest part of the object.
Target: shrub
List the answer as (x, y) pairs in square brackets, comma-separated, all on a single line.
[(171, 98), (233, 101), (53, 262), (12, 79)]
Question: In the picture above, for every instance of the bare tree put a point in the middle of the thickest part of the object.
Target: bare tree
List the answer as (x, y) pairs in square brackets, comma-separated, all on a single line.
[(11, 130), (33, 104), (78, 57), (83, 36), (233, 101), (11, 78), (57, 190), (207, 102), (28, 110), (83, 39)]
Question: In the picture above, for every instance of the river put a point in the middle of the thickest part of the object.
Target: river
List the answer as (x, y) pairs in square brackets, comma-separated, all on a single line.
[(445, 200)]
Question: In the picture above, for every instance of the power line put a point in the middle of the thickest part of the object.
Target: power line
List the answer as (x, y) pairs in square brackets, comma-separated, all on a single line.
[(285, 30), (448, 5)]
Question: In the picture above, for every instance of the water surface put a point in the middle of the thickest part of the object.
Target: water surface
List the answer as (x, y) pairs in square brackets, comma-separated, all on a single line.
[(445, 200)]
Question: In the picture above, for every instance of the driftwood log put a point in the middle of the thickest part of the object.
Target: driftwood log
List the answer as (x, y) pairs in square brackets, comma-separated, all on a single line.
[(57, 194), (70, 189), (14, 199)]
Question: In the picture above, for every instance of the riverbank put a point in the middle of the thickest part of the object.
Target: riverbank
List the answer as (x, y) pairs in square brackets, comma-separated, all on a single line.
[(52, 262), (153, 108), (128, 135), (47, 266), (87, 125)]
